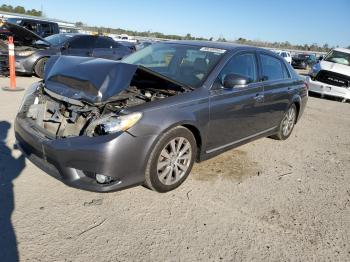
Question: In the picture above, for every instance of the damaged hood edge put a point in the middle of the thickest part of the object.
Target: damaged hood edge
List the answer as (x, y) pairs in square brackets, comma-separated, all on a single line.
[(91, 80), (22, 35)]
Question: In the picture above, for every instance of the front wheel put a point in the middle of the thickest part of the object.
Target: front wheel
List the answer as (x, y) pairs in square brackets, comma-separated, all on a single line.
[(287, 124), (171, 160), (40, 67)]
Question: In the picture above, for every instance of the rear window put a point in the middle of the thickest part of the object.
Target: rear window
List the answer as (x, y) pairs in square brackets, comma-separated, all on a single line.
[(273, 68)]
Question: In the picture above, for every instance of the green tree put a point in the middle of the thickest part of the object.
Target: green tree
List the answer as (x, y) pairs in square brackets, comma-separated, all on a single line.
[(19, 10)]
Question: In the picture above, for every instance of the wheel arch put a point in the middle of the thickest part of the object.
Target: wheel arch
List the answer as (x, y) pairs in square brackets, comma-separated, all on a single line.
[(37, 60), (297, 102)]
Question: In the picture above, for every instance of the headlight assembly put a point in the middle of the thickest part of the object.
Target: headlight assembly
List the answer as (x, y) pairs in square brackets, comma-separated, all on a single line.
[(24, 53), (112, 124), (30, 90)]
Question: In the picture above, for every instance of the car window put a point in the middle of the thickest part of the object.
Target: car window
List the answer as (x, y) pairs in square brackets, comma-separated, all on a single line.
[(243, 64), (82, 42), (103, 42), (30, 26), (159, 59), (186, 64), (46, 28), (272, 68)]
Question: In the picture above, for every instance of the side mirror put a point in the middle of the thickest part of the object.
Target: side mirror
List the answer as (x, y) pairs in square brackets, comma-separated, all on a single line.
[(235, 81), (320, 58), (65, 46)]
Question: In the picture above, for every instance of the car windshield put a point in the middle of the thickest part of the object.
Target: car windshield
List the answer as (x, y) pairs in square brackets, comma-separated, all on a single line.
[(338, 57), (189, 65), (56, 40)]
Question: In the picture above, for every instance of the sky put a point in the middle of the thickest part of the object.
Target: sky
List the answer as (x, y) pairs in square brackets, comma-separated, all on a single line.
[(296, 21)]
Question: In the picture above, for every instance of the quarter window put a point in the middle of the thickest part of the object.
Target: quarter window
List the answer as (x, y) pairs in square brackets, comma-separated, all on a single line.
[(243, 64), (272, 68)]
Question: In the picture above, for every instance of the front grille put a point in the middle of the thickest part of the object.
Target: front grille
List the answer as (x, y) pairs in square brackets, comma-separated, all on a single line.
[(332, 78)]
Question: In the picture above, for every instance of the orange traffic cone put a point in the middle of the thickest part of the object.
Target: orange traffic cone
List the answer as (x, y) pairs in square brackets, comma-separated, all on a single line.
[(12, 86)]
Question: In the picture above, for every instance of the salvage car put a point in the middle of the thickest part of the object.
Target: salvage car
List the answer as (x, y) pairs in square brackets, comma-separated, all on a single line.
[(103, 125), (331, 76), (32, 51), (304, 61)]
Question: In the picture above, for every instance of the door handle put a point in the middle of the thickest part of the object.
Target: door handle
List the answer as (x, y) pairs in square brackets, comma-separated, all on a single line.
[(259, 98)]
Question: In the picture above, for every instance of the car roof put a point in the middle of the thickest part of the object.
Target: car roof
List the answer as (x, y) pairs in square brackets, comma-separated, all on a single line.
[(210, 44), (79, 34)]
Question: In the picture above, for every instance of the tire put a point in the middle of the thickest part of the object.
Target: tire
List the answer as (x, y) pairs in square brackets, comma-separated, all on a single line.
[(171, 160), (40, 66), (289, 118)]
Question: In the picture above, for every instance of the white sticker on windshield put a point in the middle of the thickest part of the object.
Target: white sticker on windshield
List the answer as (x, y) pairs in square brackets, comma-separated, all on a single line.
[(213, 50)]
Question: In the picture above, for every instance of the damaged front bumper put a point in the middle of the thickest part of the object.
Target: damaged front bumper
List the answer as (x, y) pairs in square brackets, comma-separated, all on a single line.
[(76, 160), (328, 90)]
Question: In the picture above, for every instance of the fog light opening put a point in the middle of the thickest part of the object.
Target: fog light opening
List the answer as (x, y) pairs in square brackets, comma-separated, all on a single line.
[(102, 179)]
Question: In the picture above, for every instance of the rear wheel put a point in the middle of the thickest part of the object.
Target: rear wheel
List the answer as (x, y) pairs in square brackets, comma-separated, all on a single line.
[(40, 66), (171, 160), (287, 124)]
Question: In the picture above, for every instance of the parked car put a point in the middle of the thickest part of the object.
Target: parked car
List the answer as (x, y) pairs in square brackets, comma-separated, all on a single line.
[(143, 44), (33, 51), (103, 125), (331, 76), (286, 55), (130, 45), (4, 59), (39, 27), (304, 61)]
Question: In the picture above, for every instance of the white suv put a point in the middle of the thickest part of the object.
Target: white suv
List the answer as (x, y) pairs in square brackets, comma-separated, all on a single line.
[(331, 76), (286, 55)]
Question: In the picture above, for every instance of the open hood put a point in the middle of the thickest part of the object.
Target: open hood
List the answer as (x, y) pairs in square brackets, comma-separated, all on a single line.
[(334, 67), (97, 80), (21, 35)]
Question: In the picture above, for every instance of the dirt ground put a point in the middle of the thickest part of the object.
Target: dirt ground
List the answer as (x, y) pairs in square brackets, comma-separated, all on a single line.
[(265, 201)]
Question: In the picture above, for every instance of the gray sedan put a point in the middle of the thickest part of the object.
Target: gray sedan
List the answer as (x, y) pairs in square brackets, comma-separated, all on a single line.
[(103, 125)]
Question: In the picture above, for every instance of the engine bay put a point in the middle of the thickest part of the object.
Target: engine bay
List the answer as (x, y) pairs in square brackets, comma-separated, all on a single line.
[(60, 117)]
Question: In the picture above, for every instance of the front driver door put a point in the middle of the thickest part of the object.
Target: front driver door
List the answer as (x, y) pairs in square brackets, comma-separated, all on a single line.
[(236, 113)]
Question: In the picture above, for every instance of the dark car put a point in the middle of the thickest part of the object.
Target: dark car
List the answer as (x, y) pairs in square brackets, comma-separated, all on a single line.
[(39, 27), (143, 44), (103, 125), (4, 59), (130, 45), (32, 51), (304, 61)]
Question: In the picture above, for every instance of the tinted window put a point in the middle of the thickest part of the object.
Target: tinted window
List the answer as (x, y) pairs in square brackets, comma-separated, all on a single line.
[(244, 64), (46, 28), (104, 42), (272, 68), (82, 42), (30, 26)]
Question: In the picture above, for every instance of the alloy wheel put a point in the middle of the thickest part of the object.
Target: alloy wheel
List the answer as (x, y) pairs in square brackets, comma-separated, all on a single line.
[(174, 161), (288, 121)]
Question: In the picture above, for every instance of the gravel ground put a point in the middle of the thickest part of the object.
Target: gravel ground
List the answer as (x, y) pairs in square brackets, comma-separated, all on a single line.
[(265, 201)]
